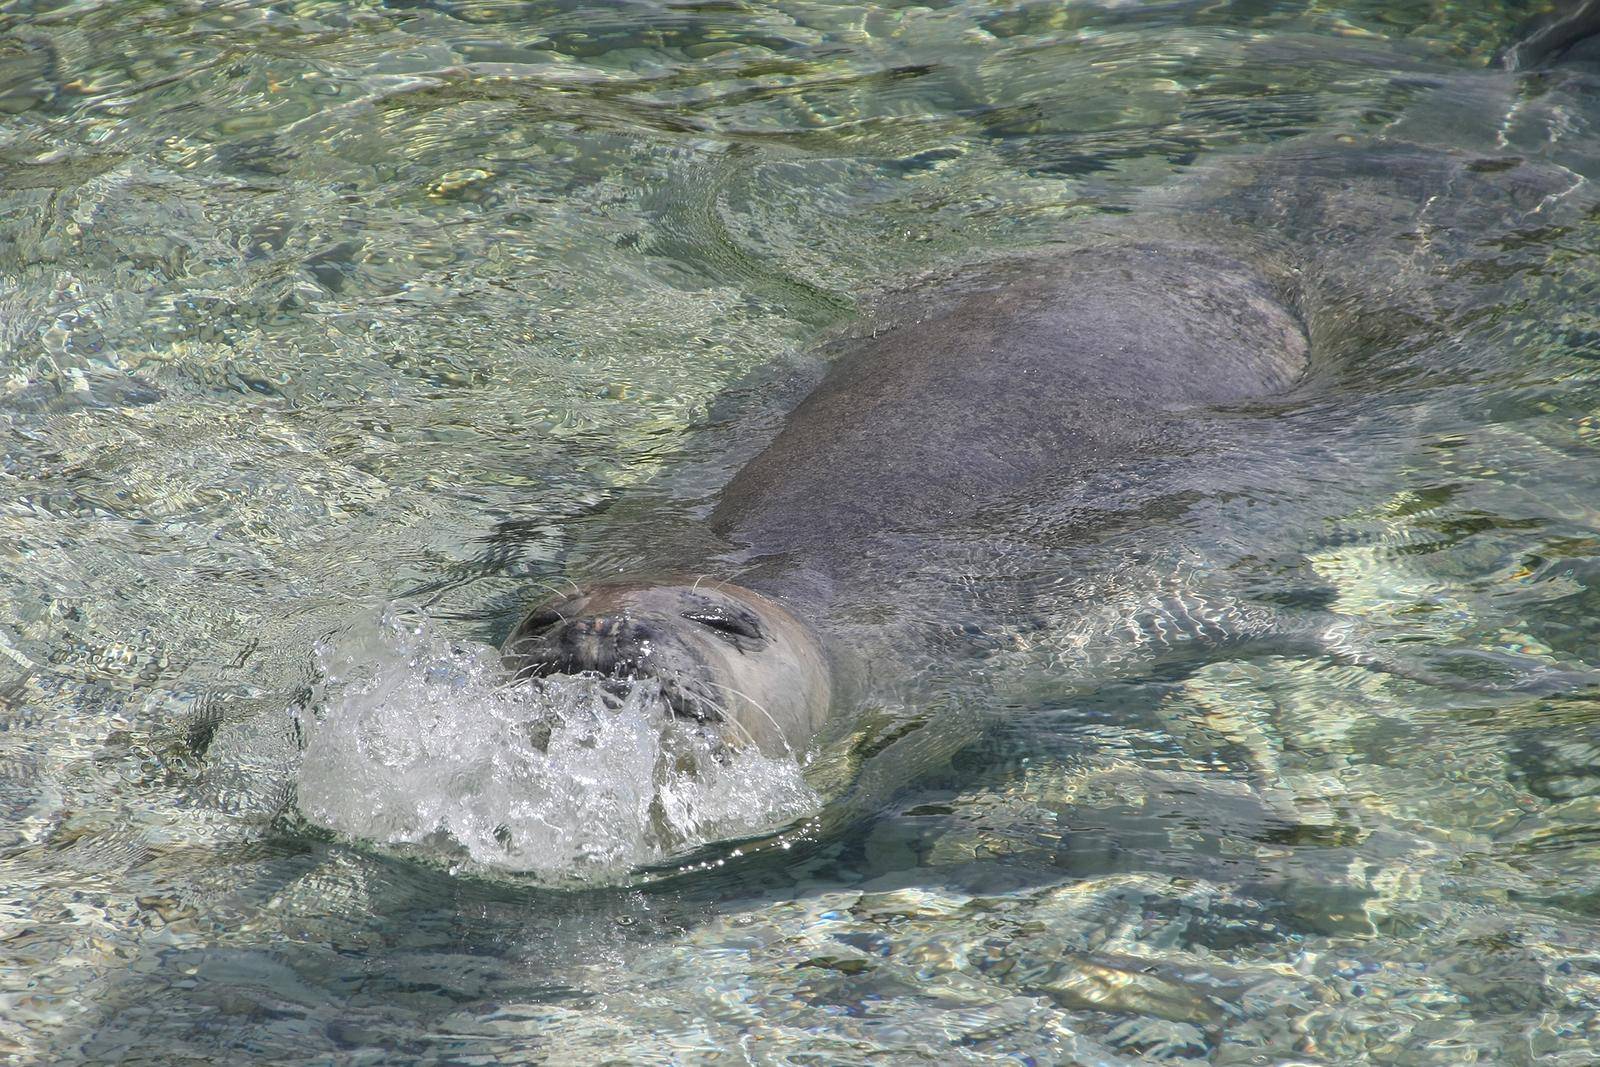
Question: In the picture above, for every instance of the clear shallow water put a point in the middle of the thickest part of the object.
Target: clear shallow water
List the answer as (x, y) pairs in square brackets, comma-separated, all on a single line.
[(312, 309)]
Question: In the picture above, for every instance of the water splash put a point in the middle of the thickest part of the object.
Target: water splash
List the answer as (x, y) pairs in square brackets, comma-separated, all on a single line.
[(412, 740)]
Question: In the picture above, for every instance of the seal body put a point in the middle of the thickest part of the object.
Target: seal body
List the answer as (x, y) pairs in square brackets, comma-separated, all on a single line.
[(1038, 372), (1040, 402)]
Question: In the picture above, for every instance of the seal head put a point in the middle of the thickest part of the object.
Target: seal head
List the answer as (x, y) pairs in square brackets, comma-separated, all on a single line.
[(723, 655)]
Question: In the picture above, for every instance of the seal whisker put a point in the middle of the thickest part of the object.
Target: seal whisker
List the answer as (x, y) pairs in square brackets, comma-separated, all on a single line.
[(695, 588), (555, 590), (757, 705), (727, 720)]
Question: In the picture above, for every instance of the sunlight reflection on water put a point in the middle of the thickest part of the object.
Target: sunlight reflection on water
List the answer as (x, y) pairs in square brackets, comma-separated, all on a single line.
[(307, 307)]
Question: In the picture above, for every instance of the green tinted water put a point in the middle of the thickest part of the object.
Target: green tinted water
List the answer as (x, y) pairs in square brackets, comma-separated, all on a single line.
[(310, 309)]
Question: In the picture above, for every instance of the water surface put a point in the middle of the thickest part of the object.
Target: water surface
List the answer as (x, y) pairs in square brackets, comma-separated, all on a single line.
[(330, 332)]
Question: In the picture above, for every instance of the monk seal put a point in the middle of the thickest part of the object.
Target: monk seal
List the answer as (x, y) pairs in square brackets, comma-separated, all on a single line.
[(1048, 368), (1031, 399)]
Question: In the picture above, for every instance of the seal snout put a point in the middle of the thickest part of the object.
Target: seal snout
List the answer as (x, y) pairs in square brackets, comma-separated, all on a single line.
[(607, 644), (617, 646), (721, 654)]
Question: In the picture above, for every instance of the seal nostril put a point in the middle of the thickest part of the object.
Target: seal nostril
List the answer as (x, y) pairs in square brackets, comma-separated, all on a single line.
[(597, 625)]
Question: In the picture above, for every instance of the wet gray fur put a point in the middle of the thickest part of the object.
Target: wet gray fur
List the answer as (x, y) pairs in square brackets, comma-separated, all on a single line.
[(1056, 367)]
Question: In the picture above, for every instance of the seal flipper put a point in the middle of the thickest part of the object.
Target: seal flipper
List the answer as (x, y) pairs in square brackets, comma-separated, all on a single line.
[(1475, 669), (1183, 631), (1555, 40)]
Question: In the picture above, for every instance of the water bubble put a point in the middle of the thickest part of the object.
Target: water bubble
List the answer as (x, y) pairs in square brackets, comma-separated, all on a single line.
[(410, 740)]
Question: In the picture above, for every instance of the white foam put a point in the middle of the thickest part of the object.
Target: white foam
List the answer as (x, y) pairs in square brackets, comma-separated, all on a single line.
[(410, 740)]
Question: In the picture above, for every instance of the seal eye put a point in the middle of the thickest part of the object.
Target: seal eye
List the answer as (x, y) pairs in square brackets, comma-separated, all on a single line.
[(732, 627)]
